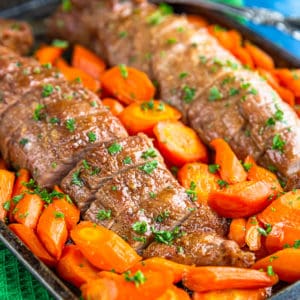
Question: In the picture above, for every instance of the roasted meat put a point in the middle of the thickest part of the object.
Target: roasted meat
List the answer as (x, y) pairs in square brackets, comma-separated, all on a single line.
[(217, 96)]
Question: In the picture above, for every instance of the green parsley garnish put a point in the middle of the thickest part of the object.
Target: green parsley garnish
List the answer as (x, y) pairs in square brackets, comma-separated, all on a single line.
[(127, 160), (54, 120), (92, 136), (262, 231), (123, 71), (149, 153), (60, 44), (123, 34), (270, 271), (213, 168), (147, 105), (47, 90), (192, 191), (114, 148), (167, 237), (296, 244), (152, 195), (114, 188), (138, 278), (222, 183), (149, 167), (6, 205), (278, 143), (58, 215), (17, 198), (159, 15), (162, 216), (66, 5), (23, 141), (140, 227), (247, 166), (188, 94), (70, 124), (85, 164), (171, 41), (183, 75), (37, 115), (103, 214), (141, 239), (214, 94), (233, 91), (76, 180)]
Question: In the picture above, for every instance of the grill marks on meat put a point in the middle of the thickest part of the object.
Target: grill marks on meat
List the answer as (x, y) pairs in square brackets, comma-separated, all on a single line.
[(16, 35), (211, 101)]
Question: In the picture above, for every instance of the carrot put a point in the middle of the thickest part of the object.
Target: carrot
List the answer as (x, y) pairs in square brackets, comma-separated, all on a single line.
[(28, 210), (232, 294), (297, 110), (30, 239), (3, 165), (48, 54), (260, 58), (74, 267), (70, 211), (23, 176), (197, 21), (289, 79), (174, 293), (242, 199), (158, 264), (282, 235), (257, 173), (253, 237), (87, 61), (179, 144), (202, 279), (229, 39), (6, 187), (145, 285), (127, 84), (114, 252), (231, 169), (100, 289), (113, 105), (142, 117), (197, 177), (284, 209), (52, 230), (72, 74), (243, 56), (237, 231), (285, 263)]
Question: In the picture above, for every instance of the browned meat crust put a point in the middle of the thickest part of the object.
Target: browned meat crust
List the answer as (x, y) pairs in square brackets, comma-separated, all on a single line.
[(216, 96)]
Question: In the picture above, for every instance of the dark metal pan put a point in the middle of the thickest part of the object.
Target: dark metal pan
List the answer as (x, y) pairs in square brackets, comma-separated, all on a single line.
[(21, 9)]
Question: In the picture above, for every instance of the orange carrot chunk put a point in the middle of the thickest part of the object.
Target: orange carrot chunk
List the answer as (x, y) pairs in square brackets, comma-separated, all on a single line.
[(74, 267), (114, 252), (283, 235), (284, 209), (7, 180), (200, 179), (253, 237), (242, 199), (127, 84), (197, 21), (261, 58), (178, 143), (52, 230), (30, 239), (87, 61), (142, 117), (3, 165), (28, 210), (289, 79), (243, 56), (285, 263), (202, 279), (174, 293), (48, 54), (237, 231), (232, 294), (231, 169), (114, 106)]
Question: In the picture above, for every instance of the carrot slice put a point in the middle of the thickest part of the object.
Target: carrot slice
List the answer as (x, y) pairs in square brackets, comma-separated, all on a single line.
[(158, 264), (179, 144), (70, 211), (127, 84), (74, 267), (231, 169), (22, 177), (48, 54), (232, 294), (30, 239), (142, 117), (285, 263), (243, 56), (282, 235), (174, 293), (201, 279), (114, 106), (260, 58), (114, 252), (52, 230), (257, 173), (253, 237), (237, 231), (87, 61), (28, 210), (289, 79), (284, 209), (197, 21), (7, 180), (196, 177)]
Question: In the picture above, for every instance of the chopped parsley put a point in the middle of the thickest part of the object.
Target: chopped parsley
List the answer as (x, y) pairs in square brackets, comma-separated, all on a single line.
[(123, 34), (6, 205), (270, 122), (149, 153), (213, 168), (160, 107), (58, 215), (70, 124), (47, 90), (103, 214), (147, 105), (17, 198), (188, 94), (247, 166), (159, 15), (296, 244), (37, 115), (127, 160), (278, 143), (162, 216), (262, 231), (76, 180), (167, 237), (171, 41), (222, 183), (253, 91), (140, 227), (85, 164), (95, 171), (54, 120), (92, 136), (60, 44), (66, 5), (141, 239), (152, 195), (214, 94), (183, 75), (114, 148), (233, 91), (270, 271), (123, 71), (203, 59), (192, 191), (138, 278), (114, 188), (23, 141), (149, 167)]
